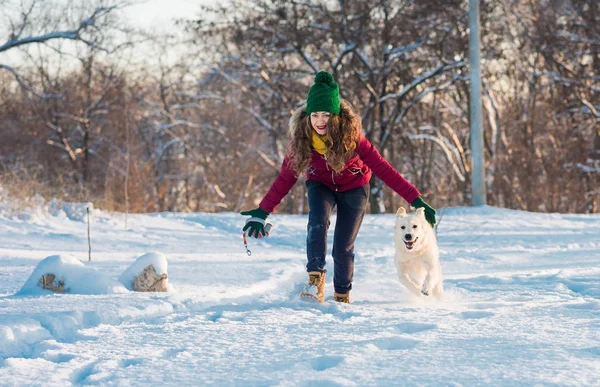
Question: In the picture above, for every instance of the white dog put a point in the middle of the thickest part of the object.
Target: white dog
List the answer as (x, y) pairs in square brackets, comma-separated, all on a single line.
[(417, 254)]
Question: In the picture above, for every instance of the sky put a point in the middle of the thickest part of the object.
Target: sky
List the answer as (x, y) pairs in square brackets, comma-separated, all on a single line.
[(159, 14), (521, 302)]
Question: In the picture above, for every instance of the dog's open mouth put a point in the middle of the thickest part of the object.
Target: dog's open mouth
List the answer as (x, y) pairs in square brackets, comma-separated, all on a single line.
[(410, 244)]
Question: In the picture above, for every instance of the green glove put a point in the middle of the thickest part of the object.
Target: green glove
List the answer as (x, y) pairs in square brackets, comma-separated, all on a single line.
[(256, 224), (429, 211)]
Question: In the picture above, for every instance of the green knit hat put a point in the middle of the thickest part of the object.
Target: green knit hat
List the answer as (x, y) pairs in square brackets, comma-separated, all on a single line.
[(324, 95)]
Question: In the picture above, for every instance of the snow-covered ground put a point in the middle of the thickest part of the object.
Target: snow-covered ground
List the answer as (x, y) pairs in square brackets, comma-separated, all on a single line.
[(522, 304)]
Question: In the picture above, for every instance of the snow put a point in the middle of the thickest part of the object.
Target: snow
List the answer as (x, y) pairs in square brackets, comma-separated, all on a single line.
[(521, 303)]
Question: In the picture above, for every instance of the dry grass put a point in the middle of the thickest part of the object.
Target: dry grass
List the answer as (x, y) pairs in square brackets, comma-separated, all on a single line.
[(18, 194)]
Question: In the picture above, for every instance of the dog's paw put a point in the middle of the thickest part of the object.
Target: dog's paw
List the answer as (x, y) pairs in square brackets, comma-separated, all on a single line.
[(426, 290)]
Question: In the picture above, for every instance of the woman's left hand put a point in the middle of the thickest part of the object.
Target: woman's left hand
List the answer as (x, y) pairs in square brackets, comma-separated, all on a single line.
[(429, 211)]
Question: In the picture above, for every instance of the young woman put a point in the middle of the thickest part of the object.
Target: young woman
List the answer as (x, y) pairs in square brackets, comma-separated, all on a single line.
[(328, 145)]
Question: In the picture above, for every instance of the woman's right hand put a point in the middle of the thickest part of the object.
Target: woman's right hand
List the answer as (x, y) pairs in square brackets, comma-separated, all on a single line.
[(255, 225)]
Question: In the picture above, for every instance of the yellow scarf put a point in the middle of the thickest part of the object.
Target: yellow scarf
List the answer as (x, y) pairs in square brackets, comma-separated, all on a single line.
[(318, 142)]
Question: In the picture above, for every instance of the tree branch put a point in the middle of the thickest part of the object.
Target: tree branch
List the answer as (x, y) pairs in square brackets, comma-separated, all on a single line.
[(75, 34), (440, 68), (447, 151), (28, 87)]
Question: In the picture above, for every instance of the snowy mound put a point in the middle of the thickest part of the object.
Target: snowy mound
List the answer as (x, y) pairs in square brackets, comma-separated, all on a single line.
[(158, 260), (76, 277)]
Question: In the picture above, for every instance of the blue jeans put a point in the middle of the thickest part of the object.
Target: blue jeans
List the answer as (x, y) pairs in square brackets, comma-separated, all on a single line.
[(351, 207)]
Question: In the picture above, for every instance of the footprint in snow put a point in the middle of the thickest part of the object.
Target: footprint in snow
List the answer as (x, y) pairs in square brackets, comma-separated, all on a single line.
[(488, 305), (80, 375), (322, 363), (412, 327), (172, 352), (474, 315), (395, 343), (214, 316), (130, 362), (591, 351), (59, 358)]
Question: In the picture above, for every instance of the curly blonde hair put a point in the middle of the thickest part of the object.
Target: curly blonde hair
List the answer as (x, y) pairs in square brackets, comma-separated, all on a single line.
[(341, 139)]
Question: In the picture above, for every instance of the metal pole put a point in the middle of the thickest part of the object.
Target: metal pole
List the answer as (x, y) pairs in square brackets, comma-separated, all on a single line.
[(89, 236), (476, 125)]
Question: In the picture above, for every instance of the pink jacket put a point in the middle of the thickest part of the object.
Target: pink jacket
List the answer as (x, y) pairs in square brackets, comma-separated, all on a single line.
[(356, 173)]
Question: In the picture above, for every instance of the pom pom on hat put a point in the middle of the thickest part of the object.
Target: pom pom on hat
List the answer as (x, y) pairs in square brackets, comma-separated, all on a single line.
[(324, 77), (324, 95)]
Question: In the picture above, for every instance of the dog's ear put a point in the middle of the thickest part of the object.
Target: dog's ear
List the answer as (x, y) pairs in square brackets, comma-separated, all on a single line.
[(421, 212), (401, 212)]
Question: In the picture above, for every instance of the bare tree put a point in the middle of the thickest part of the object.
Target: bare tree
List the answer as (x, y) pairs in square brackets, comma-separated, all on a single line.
[(70, 103)]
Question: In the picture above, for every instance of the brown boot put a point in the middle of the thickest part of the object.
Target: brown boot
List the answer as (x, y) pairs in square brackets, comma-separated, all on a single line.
[(342, 297), (316, 286)]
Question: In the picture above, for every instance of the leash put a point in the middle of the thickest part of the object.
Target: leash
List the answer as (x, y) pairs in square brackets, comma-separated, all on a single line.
[(268, 228), (246, 246)]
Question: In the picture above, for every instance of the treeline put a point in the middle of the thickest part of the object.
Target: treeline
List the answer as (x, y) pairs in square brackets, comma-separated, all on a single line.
[(208, 131)]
